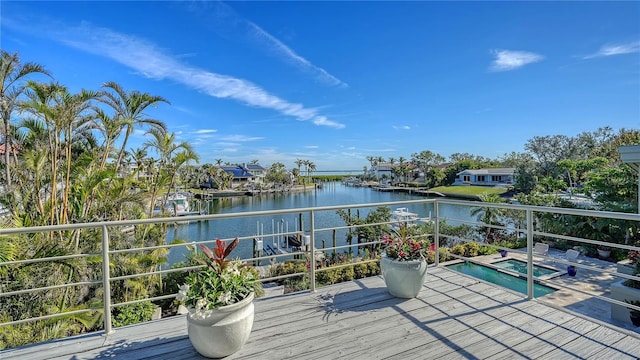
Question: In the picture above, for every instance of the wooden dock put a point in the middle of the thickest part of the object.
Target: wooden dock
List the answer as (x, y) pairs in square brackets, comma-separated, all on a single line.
[(453, 317)]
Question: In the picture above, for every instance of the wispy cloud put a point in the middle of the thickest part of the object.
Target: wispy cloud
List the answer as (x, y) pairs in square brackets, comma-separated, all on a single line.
[(240, 138), (402, 127), (615, 49), (227, 22), (506, 60), (290, 56), (151, 62), (202, 136)]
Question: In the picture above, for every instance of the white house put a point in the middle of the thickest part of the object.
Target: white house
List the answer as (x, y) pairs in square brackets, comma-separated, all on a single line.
[(383, 170), (486, 177), (258, 171)]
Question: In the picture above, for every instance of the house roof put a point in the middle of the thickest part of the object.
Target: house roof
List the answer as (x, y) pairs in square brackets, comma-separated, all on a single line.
[(489, 171), (14, 148), (383, 166), (254, 167), (237, 171)]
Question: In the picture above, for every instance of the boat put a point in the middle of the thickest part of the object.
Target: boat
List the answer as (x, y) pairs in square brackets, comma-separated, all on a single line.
[(177, 204), (402, 216), (352, 181)]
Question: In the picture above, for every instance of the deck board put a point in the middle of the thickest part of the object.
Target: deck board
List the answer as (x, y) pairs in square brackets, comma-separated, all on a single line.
[(453, 317)]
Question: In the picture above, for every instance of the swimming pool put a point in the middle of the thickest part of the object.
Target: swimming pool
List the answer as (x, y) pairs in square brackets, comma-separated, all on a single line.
[(521, 267), (503, 279)]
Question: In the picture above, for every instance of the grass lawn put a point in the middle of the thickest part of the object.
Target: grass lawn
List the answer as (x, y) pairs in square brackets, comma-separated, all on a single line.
[(468, 191)]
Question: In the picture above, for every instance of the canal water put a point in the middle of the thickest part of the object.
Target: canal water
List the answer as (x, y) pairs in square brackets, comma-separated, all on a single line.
[(332, 193)]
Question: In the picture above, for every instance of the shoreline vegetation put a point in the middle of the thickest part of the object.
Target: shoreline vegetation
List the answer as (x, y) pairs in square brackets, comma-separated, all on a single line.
[(469, 192)]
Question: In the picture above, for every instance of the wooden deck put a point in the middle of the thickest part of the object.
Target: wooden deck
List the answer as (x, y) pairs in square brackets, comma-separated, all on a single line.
[(454, 316)]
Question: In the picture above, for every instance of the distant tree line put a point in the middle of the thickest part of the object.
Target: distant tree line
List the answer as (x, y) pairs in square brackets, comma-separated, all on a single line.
[(588, 163)]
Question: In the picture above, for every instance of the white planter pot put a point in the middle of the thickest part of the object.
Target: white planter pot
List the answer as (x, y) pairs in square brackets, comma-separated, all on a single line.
[(622, 293), (626, 267), (222, 331), (604, 254), (404, 279)]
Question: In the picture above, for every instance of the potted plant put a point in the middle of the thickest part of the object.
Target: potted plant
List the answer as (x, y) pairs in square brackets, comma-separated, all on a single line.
[(634, 314), (625, 290), (404, 263), (503, 253), (628, 265), (219, 298), (604, 252)]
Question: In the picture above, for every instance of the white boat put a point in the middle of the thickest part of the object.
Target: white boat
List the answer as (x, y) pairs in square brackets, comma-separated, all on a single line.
[(177, 204), (402, 216)]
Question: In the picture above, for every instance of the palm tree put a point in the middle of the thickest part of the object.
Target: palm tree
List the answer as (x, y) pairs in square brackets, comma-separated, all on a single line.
[(41, 103), (489, 216), (392, 161), (172, 156), (181, 159), (404, 167), (299, 163), (311, 167), (12, 73), (74, 113), (129, 110), (373, 161), (139, 155)]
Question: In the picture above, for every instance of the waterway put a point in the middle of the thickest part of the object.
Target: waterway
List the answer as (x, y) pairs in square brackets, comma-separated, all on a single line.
[(332, 193)]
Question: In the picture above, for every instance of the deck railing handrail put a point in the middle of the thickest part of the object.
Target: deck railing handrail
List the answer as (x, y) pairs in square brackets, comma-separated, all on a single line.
[(106, 226)]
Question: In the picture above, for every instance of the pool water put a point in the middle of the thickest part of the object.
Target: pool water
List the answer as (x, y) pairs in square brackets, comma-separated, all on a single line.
[(500, 278), (521, 267)]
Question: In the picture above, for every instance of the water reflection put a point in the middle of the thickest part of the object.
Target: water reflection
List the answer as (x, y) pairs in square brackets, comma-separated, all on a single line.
[(331, 194)]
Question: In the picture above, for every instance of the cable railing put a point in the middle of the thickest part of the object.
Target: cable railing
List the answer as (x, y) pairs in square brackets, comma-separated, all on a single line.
[(526, 224)]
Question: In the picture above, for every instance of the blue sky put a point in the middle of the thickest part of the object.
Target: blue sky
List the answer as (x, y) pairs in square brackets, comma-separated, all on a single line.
[(335, 82)]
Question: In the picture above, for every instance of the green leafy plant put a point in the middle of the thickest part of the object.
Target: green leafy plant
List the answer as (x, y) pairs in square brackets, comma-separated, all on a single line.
[(633, 302), (469, 249), (133, 313), (404, 247), (634, 314), (221, 282)]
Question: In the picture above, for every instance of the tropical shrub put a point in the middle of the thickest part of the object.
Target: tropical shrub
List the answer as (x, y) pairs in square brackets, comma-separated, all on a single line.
[(220, 282), (133, 313)]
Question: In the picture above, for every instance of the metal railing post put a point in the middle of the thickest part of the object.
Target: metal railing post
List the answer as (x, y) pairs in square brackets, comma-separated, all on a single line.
[(312, 253), (530, 294), (436, 233), (106, 281)]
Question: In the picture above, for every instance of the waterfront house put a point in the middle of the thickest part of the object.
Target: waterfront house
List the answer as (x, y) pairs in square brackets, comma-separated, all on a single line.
[(383, 170), (245, 173), (486, 177), (258, 171)]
